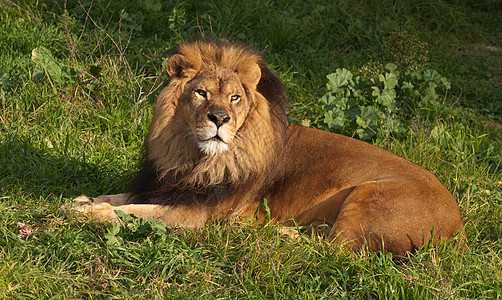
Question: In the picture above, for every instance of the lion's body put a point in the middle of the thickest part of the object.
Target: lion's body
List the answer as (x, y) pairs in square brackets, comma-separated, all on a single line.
[(219, 144)]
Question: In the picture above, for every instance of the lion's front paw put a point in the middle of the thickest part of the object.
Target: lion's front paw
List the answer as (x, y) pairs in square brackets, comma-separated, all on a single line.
[(77, 202), (82, 201), (88, 206)]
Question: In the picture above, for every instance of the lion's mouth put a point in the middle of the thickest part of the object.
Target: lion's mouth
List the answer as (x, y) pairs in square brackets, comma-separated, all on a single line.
[(215, 138), (213, 146)]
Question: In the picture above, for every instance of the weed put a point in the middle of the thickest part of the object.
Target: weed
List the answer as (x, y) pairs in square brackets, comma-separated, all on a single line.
[(366, 105)]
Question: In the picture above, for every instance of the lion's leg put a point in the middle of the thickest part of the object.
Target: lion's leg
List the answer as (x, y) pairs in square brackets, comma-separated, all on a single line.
[(351, 228), (106, 211), (104, 207), (114, 200), (379, 215)]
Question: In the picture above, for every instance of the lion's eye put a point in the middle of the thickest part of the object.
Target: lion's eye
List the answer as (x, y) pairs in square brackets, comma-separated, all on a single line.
[(235, 98), (201, 93)]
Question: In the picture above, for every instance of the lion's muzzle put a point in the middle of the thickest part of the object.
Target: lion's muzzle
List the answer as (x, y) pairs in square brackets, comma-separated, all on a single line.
[(216, 132), (218, 116)]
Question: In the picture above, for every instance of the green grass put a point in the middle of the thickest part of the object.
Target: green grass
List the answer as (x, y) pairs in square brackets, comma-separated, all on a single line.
[(80, 131)]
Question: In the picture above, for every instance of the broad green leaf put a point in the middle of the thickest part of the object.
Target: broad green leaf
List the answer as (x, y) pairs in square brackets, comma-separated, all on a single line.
[(432, 75), (343, 103), (160, 228), (415, 76), (114, 229), (334, 119), (446, 83), (389, 80), (376, 91), (360, 121), (407, 85), (391, 67), (430, 92), (123, 216), (353, 112), (339, 79), (328, 99), (43, 58), (387, 97), (111, 240), (365, 134), (370, 115)]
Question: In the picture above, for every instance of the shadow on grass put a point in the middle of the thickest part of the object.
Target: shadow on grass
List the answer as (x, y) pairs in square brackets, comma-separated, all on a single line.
[(35, 173)]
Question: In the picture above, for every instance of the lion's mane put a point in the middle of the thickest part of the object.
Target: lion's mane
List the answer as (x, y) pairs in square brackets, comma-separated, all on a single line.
[(173, 169)]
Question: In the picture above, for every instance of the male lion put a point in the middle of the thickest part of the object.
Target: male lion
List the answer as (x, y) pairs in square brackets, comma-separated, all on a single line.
[(219, 143)]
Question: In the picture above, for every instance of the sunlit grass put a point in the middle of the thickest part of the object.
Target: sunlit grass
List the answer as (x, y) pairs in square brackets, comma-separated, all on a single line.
[(82, 133)]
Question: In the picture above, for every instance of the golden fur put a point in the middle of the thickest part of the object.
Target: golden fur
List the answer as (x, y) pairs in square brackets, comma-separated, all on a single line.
[(219, 143), (248, 155)]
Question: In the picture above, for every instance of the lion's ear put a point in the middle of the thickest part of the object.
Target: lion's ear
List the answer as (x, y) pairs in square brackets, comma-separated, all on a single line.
[(180, 66), (250, 74)]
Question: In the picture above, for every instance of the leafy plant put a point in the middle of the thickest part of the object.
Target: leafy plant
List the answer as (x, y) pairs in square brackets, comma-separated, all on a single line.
[(133, 229), (363, 106), (49, 66)]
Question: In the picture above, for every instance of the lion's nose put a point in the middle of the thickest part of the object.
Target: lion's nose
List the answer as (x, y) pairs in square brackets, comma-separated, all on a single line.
[(218, 117)]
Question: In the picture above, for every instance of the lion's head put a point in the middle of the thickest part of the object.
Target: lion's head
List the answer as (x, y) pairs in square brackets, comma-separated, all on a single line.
[(221, 118)]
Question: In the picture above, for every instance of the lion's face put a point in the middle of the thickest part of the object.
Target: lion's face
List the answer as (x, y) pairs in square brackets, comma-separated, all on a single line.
[(214, 104), (211, 124)]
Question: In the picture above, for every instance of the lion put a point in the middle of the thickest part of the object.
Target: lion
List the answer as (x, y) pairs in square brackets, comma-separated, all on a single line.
[(219, 143)]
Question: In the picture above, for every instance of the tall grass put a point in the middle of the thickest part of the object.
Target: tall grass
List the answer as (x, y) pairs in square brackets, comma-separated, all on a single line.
[(78, 128)]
